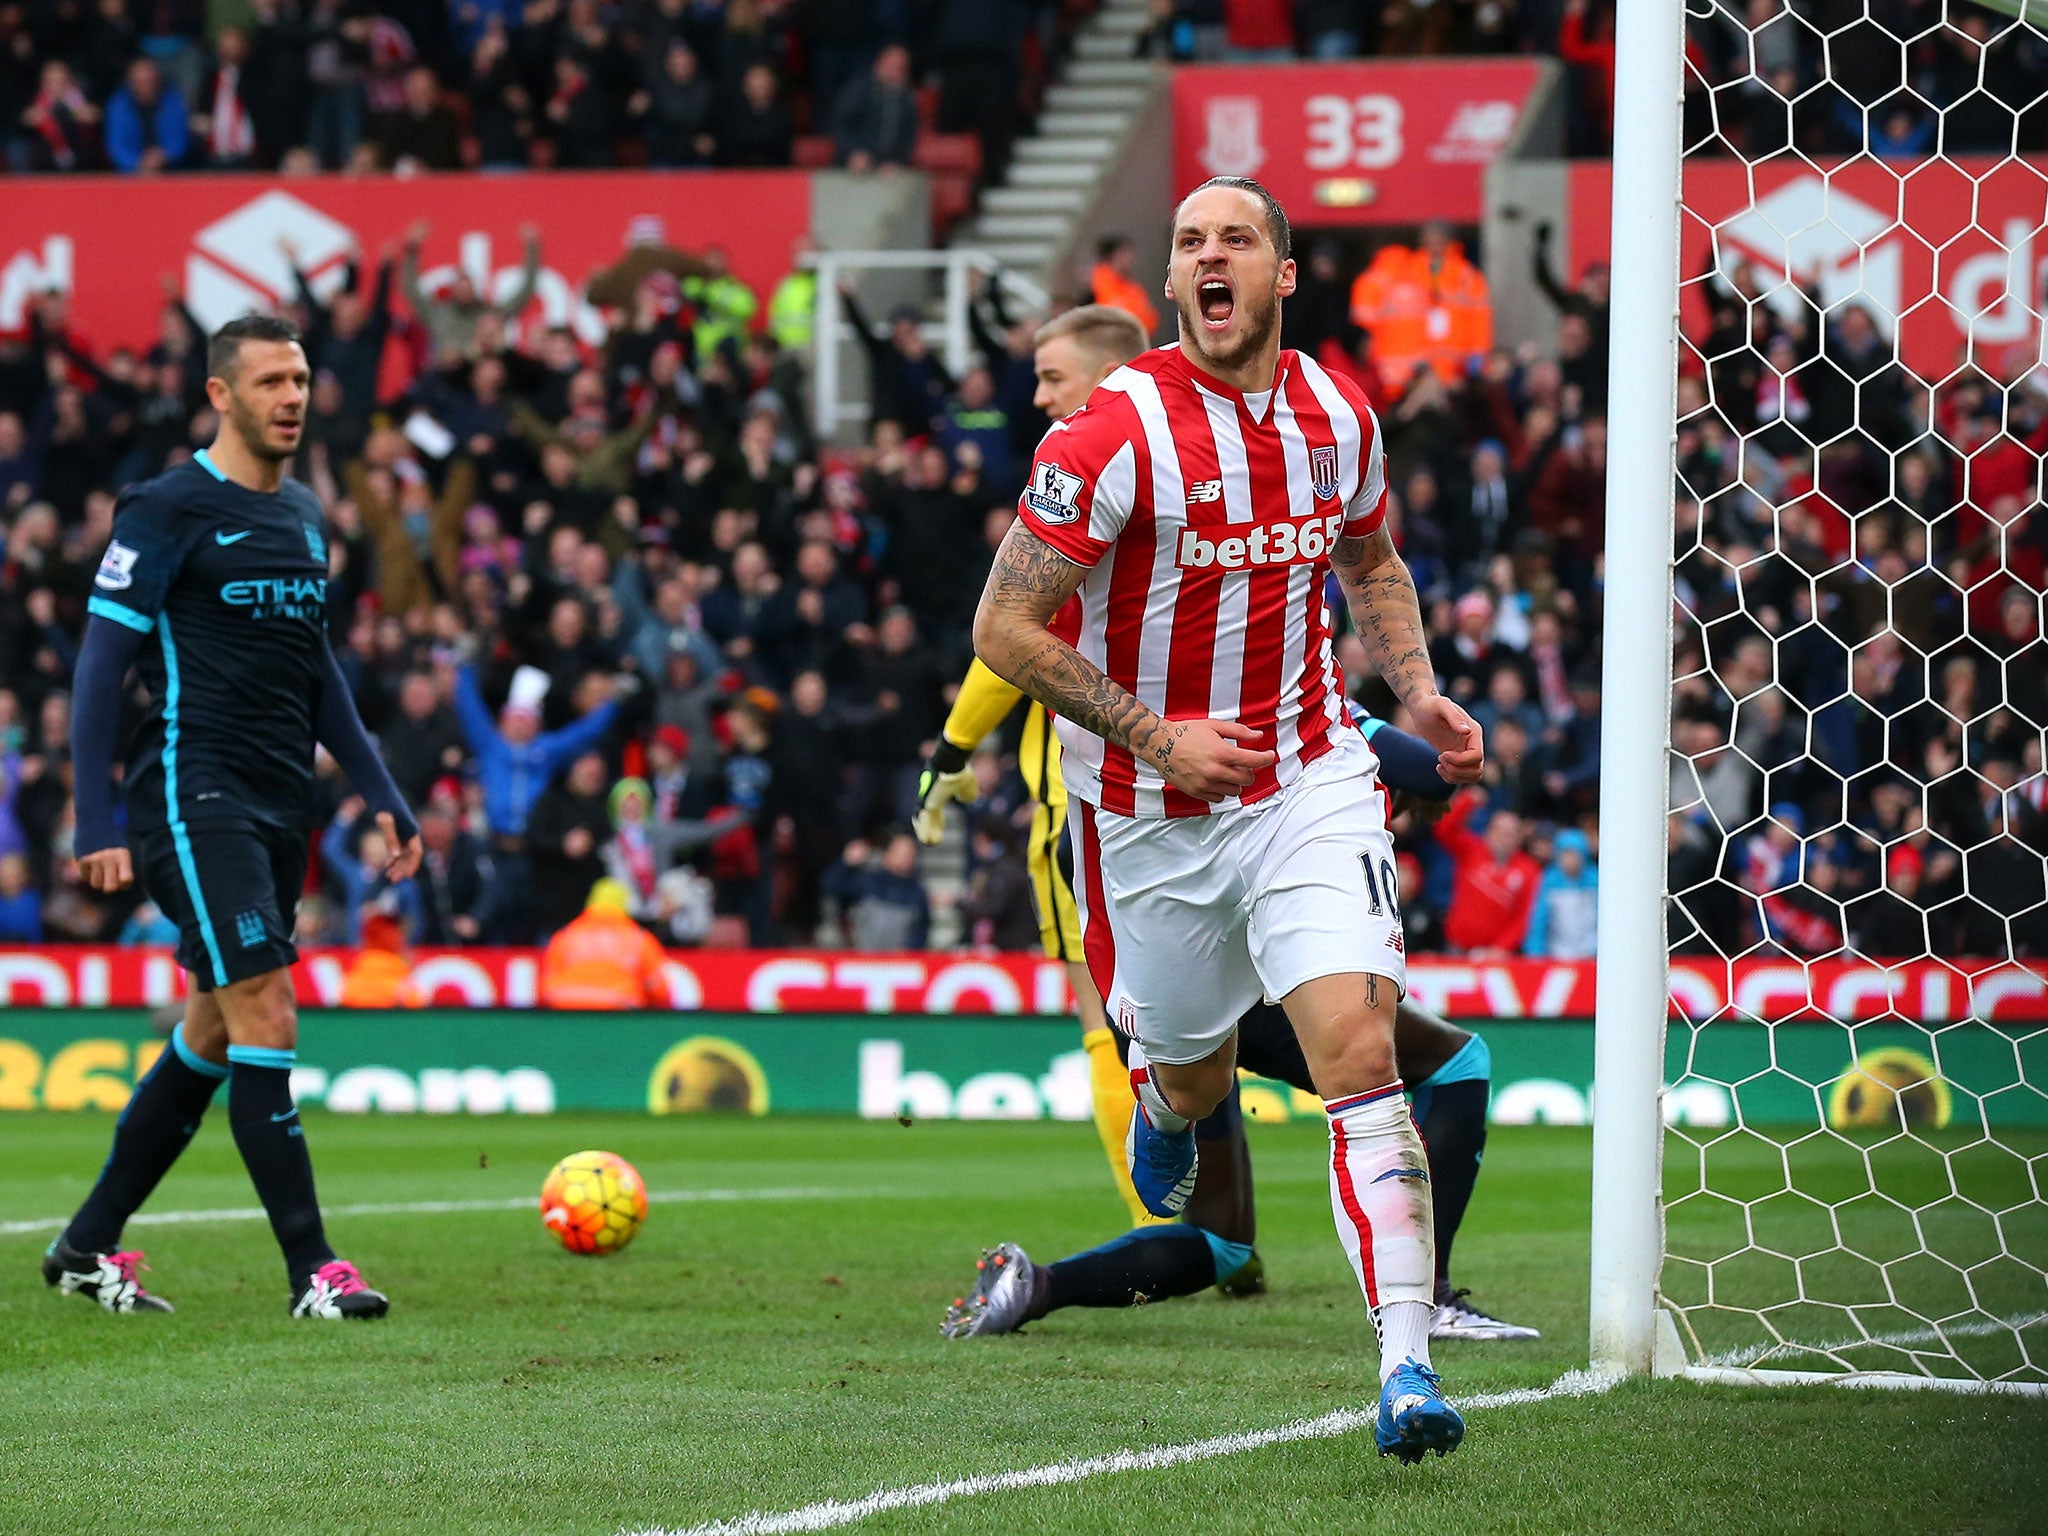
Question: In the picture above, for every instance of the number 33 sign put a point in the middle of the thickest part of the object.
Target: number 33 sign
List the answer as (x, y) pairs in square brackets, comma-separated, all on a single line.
[(1355, 143)]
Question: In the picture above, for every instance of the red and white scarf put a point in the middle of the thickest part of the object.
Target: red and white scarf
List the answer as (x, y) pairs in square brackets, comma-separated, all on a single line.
[(229, 136)]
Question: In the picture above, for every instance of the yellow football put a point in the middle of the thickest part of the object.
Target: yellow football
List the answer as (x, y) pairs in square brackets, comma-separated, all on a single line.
[(593, 1202)]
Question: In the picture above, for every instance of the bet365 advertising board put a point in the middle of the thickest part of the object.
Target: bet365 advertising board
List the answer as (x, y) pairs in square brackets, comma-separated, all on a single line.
[(994, 1067)]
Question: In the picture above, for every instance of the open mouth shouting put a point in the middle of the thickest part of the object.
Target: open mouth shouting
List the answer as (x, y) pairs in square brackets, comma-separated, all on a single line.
[(1216, 301)]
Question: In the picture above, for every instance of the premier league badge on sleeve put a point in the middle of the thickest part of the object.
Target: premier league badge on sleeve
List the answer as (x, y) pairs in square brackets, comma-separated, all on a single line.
[(1055, 495), (1322, 472), (117, 567)]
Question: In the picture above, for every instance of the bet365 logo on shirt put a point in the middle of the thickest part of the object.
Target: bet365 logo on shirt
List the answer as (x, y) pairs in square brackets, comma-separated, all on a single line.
[(1282, 543), (1055, 495)]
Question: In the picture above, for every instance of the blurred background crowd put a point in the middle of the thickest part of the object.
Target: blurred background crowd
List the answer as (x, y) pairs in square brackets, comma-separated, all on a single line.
[(404, 85), (613, 613)]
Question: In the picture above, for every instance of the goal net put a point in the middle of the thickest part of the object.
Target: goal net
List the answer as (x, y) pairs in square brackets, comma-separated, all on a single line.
[(1855, 1154)]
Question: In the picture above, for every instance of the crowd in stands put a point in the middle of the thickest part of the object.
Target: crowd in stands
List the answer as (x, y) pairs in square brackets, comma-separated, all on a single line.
[(370, 85), (615, 617), (302, 85)]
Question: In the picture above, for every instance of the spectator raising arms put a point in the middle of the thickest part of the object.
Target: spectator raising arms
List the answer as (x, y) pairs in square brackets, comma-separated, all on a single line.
[(1494, 885)]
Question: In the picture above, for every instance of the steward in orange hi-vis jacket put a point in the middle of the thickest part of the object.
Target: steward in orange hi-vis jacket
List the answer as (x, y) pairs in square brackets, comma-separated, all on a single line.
[(603, 959), (1424, 306)]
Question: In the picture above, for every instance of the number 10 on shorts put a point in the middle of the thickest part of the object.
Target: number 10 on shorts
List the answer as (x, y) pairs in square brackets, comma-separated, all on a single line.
[(1385, 880)]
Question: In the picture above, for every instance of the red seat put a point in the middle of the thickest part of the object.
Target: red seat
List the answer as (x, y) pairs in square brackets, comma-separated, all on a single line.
[(952, 200), (813, 152), (938, 152)]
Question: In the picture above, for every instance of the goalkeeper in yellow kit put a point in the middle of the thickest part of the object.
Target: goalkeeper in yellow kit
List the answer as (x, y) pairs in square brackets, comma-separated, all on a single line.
[(1212, 1243), (1075, 351)]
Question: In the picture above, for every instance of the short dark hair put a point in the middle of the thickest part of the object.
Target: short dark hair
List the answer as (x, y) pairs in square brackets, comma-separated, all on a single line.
[(224, 347), (1276, 217)]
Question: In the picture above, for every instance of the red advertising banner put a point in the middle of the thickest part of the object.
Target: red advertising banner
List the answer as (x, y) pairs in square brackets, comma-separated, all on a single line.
[(108, 240), (1353, 143), (1946, 255), (826, 981)]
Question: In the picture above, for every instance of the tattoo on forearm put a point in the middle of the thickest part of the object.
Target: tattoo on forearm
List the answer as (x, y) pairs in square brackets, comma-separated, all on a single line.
[(1064, 680), (1029, 582), (1381, 596)]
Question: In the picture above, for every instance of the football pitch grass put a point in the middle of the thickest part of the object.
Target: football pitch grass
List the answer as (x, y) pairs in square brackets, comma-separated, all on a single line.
[(771, 1341)]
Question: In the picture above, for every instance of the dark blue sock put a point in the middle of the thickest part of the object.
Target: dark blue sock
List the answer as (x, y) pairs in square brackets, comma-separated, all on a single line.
[(1222, 1122), (162, 1116), (1452, 1119), (1145, 1264), (273, 1148)]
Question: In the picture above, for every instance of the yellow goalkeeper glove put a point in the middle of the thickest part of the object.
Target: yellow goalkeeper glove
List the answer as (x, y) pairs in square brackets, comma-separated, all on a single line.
[(946, 777)]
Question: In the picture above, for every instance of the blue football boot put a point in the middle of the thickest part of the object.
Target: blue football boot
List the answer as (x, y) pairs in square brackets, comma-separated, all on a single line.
[(1162, 1164), (1414, 1418)]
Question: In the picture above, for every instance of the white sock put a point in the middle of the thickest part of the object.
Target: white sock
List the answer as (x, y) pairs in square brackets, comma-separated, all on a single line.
[(1156, 1109), (1379, 1194)]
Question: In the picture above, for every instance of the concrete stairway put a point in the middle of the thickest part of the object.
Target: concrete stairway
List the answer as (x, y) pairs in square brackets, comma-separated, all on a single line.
[(1028, 221)]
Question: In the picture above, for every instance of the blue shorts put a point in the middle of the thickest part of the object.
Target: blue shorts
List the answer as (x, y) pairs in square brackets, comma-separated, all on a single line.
[(232, 888)]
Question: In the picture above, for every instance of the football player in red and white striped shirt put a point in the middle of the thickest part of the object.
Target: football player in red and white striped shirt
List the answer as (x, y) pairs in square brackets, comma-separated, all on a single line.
[(1231, 836)]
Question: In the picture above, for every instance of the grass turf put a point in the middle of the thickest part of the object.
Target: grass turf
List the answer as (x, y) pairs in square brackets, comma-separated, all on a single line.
[(767, 1354)]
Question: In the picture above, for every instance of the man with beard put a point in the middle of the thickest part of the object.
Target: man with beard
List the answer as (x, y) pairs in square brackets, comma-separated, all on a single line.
[(215, 588), (1232, 841), (1448, 1070)]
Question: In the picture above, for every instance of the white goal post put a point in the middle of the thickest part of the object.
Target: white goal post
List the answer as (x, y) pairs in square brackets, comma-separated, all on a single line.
[(1874, 1209)]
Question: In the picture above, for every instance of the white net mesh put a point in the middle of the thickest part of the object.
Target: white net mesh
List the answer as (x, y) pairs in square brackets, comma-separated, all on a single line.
[(1858, 911)]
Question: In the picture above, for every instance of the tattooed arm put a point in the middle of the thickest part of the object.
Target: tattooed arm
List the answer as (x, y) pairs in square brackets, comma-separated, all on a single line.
[(1388, 617), (1025, 589)]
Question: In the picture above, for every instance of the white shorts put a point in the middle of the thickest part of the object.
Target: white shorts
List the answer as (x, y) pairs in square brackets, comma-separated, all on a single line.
[(1187, 922)]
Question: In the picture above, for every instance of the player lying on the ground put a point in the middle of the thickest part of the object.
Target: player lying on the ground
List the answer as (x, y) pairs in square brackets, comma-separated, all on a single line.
[(1232, 839), (215, 589), (1072, 353), (1448, 1072)]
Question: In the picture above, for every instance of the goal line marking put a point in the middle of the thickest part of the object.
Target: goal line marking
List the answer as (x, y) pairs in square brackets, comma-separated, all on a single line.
[(450, 1207), (832, 1513)]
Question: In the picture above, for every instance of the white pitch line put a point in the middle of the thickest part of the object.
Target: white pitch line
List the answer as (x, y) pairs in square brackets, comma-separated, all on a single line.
[(1750, 1354), (446, 1207), (832, 1513)]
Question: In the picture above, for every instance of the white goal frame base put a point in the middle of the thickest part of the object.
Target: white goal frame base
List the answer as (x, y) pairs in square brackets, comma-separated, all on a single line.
[(1893, 1381), (1671, 1364)]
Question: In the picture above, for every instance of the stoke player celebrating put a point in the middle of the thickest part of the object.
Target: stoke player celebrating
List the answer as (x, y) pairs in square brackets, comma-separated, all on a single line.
[(1232, 841)]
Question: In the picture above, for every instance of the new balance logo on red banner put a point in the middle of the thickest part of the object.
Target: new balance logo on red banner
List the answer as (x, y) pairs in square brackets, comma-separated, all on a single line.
[(1271, 544)]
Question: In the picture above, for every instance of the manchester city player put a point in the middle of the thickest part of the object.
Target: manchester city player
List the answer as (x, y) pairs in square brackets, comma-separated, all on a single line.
[(215, 589)]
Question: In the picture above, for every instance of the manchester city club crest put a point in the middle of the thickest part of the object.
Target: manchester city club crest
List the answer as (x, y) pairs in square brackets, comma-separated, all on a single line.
[(315, 544), (1322, 472)]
